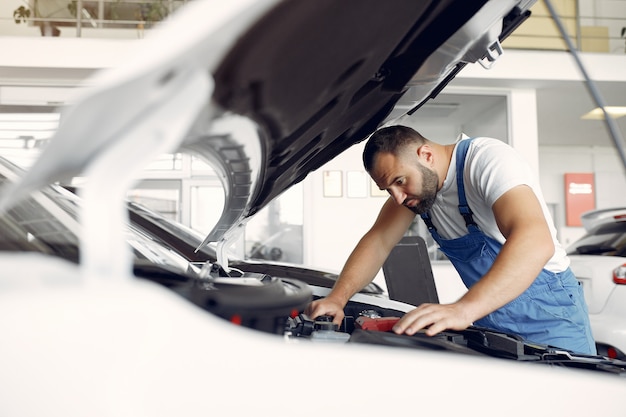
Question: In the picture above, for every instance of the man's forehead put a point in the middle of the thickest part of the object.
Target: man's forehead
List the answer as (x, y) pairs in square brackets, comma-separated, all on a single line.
[(385, 167)]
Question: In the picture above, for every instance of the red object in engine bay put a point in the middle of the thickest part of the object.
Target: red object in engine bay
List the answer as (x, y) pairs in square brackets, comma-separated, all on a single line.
[(381, 324)]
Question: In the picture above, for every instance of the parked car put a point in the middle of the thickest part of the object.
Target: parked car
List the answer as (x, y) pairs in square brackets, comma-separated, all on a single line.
[(311, 79), (599, 261)]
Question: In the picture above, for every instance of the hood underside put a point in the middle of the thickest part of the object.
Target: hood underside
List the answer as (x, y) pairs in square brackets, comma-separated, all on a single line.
[(319, 77)]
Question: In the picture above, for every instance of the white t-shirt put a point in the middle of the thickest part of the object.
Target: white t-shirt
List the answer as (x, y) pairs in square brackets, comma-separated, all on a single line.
[(492, 167)]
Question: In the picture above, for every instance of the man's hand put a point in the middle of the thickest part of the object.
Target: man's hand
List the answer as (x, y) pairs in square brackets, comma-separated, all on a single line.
[(326, 307), (434, 318)]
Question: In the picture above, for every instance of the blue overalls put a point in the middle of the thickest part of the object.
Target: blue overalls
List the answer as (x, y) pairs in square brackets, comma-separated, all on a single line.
[(551, 311)]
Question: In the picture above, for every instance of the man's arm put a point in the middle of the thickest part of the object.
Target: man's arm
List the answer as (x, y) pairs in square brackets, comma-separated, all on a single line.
[(365, 260), (527, 249)]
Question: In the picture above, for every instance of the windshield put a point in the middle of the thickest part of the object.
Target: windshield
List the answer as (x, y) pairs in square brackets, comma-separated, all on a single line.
[(35, 225), (46, 223)]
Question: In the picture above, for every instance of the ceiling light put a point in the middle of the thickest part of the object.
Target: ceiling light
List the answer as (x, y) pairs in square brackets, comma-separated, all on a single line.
[(598, 114)]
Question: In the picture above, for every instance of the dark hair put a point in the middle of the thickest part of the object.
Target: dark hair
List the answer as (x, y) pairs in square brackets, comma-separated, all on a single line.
[(391, 140)]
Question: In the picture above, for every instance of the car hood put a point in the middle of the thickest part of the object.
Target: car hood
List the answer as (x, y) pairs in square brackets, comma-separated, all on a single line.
[(268, 91)]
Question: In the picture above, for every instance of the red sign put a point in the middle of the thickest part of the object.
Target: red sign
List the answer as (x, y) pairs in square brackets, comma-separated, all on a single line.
[(580, 196)]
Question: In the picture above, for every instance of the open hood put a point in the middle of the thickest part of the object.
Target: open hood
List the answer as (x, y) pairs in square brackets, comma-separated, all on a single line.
[(267, 90), (317, 77)]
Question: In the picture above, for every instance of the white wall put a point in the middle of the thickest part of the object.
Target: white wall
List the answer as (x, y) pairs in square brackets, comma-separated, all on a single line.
[(333, 225), (493, 122), (610, 181)]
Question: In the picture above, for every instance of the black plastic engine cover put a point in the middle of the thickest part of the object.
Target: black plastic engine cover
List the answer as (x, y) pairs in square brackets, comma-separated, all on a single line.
[(265, 307)]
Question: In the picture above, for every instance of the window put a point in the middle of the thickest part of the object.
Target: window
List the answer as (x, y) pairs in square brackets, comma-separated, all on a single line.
[(97, 13)]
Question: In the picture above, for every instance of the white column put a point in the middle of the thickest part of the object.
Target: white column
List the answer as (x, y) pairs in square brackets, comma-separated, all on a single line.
[(523, 130)]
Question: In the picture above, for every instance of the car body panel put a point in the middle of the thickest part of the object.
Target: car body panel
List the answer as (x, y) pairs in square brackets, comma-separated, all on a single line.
[(595, 272), (134, 348), (593, 259), (608, 326)]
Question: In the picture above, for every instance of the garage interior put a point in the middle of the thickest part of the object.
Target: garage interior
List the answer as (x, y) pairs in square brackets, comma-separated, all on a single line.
[(533, 97)]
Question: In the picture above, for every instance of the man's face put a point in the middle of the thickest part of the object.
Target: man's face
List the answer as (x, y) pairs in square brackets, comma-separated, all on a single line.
[(407, 180)]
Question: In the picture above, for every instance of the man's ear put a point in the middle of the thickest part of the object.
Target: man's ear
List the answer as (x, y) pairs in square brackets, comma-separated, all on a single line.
[(425, 153)]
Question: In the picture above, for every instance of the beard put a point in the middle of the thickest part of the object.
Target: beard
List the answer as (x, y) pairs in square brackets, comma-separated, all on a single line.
[(430, 181)]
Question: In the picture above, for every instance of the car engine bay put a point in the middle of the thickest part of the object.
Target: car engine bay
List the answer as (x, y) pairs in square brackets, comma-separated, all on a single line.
[(276, 305)]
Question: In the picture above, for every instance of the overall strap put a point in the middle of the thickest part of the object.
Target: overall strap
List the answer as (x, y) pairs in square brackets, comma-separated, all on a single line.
[(464, 209), (428, 221)]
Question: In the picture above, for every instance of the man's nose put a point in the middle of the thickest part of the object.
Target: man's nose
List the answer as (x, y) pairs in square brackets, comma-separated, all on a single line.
[(397, 195)]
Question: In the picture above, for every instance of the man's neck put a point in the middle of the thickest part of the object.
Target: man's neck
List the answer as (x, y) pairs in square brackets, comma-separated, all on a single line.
[(444, 155)]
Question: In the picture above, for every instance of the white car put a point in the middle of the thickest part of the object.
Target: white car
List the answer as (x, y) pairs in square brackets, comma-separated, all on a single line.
[(298, 82), (598, 260)]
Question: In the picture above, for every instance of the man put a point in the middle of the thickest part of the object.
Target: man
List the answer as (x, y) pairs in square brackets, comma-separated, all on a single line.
[(492, 223)]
